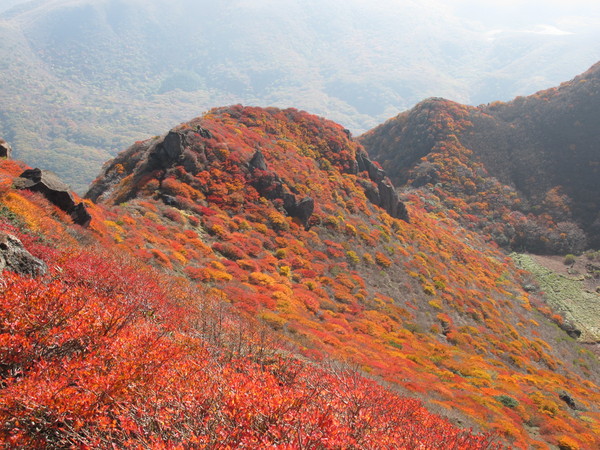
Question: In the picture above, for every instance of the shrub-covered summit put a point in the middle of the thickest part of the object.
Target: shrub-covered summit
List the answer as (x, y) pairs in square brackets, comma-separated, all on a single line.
[(282, 216), (526, 172)]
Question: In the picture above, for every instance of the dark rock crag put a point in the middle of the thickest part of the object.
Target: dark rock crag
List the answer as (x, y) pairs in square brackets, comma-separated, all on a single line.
[(272, 187), (258, 162), (302, 210), (570, 401), (15, 258), (384, 194), (186, 147), (56, 191), (5, 149), (166, 152)]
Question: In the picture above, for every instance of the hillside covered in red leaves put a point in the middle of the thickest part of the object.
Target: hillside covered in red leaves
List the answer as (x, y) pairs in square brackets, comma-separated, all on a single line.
[(525, 173), (251, 279)]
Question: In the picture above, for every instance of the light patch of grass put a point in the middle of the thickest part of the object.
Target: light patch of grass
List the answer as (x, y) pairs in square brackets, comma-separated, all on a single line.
[(567, 296)]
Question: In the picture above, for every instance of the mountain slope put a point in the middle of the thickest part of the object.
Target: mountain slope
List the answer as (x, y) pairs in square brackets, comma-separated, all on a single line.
[(131, 68), (525, 172), (99, 350), (277, 211)]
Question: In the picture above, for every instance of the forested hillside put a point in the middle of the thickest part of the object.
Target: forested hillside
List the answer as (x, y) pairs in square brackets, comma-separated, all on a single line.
[(80, 79), (267, 225), (526, 173)]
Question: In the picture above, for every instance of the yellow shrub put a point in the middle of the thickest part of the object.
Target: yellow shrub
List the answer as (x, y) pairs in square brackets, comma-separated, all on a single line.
[(285, 271), (273, 320), (566, 443), (353, 258), (261, 279), (429, 289)]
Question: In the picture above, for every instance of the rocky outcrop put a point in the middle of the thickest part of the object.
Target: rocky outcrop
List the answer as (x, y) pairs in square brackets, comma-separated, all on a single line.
[(302, 210), (160, 155), (174, 150), (203, 132), (376, 174), (570, 329), (48, 184), (388, 200), (56, 191), (570, 401), (80, 215), (15, 258), (258, 162), (379, 190), (166, 152), (5, 149), (272, 187), (384, 194)]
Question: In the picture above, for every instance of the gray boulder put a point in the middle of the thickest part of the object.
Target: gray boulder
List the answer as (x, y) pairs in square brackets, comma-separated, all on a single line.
[(258, 161), (271, 186), (56, 191), (47, 183), (167, 152), (15, 258), (302, 210)]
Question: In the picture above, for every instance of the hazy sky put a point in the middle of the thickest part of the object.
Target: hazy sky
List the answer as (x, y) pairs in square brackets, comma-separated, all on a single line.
[(489, 11), (563, 14), (517, 15)]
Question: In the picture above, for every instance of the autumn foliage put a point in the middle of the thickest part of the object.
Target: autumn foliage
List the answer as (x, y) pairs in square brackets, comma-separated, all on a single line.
[(215, 318), (103, 352), (522, 173)]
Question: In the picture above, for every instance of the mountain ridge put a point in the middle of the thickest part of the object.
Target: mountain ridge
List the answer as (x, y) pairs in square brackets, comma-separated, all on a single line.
[(132, 69), (157, 323), (353, 264), (540, 150)]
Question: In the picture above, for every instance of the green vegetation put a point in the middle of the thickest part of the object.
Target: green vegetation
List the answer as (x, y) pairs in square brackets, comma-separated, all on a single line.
[(507, 401), (567, 296)]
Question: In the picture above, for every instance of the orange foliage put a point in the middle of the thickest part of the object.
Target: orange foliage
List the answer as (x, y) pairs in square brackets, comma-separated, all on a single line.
[(428, 306)]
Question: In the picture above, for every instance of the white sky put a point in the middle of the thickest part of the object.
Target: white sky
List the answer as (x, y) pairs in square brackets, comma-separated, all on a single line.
[(563, 14)]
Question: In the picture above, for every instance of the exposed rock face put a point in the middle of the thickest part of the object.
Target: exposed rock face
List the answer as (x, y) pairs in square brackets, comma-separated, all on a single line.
[(365, 164), (570, 329), (14, 257), (160, 154), (272, 187), (48, 184), (258, 161), (570, 401), (371, 191), (203, 132), (80, 215), (169, 150), (174, 150), (302, 210), (55, 191), (5, 149), (169, 200), (388, 200), (385, 194)]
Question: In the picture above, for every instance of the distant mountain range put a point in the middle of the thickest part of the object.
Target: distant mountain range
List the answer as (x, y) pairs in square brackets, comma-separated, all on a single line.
[(82, 79)]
